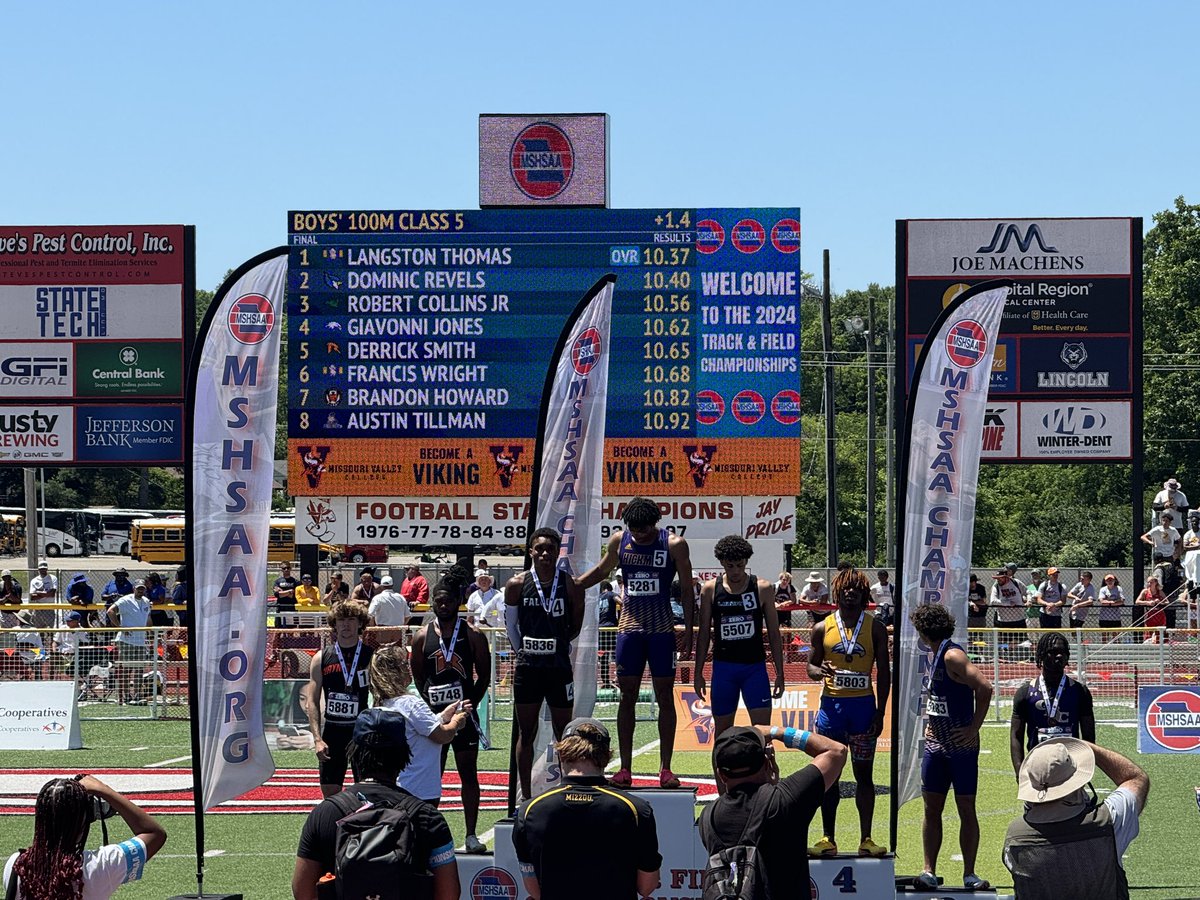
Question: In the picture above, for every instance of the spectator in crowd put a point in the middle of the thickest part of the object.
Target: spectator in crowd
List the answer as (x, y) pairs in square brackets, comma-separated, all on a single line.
[(367, 587), (1191, 566), (977, 603), (427, 731), (1164, 538), (131, 613), (43, 588), (29, 655), (285, 589), (1052, 705), (1009, 604), (379, 754), (179, 596), (608, 608), (156, 593), (57, 867), (1170, 500), (785, 595), (339, 672), (415, 587), (557, 863), (452, 664), (1011, 568), (308, 595), (1111, 600), (756, 799), (117, 588), (336, 590), (1066, 845), (79, 592), (68, 641), (485, 604), (955, 707), (1051, 595), (10, 589), (883, 595), (815, 590), (387, 608), (1152, 603), (845, 648), (1082, 597), (481, 566)]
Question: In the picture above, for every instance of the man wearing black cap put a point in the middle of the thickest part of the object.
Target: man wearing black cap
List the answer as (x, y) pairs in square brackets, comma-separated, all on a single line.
[(557, 860), (378, 753), (744, 760)]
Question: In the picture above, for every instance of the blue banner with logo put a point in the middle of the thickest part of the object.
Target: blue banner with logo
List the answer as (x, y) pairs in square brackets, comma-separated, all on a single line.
[(1168, 719)]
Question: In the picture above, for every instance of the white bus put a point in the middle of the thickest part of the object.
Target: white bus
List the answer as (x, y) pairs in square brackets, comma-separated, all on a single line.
[(111, 527), (59, 532)]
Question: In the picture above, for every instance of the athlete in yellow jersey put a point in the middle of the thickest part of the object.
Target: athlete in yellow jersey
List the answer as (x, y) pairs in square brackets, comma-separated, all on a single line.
[(845, 647)]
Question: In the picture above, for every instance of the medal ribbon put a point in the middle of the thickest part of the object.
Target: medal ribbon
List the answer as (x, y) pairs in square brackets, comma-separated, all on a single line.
[(448, 649), (1051, 709), (842, 630), (537, 583), (348, 676)]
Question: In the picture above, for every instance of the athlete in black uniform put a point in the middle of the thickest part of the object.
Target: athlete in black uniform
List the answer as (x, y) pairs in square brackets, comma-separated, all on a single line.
[(339, 672), (734, 609), (451, 662), (543, 613)]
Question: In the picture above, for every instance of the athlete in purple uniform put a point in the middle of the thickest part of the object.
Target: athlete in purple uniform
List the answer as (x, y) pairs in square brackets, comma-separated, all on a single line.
[(650, 557), (955, 706)]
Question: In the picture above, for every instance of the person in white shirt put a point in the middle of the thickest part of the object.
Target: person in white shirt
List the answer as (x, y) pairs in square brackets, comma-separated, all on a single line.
[(1164, 538), (883, 594), (388, 608), (131, 612), (1110, 599), (1171, 499), (426, 731), (1082, 597), (485, 606), (56, 867), (43, 588), (1191, 567)]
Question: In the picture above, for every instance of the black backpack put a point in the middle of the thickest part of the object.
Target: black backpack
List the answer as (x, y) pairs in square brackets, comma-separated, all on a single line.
[(738, 872), (376, 851)]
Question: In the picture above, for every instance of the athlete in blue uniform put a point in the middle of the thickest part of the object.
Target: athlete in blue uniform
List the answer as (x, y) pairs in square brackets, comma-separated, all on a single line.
[(956, 703), (650, 557), (733, 610)]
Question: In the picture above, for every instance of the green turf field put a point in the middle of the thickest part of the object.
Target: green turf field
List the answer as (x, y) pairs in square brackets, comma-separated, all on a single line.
[(254, 853)]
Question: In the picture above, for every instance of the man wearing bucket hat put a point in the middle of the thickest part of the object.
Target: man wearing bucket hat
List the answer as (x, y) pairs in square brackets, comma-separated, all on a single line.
[(1066, 845)]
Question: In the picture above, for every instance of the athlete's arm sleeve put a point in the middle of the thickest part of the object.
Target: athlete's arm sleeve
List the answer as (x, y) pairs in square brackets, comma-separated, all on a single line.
[(512, 626)]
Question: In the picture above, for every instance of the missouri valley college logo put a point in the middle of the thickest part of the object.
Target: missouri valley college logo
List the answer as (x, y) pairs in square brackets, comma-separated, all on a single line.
[(505, 459), (542, 160), (251, 319), (700, 461), (314, 463), (320, 517)]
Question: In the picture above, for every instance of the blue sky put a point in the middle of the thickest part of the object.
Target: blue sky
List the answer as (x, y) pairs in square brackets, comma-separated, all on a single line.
[(226, 115)]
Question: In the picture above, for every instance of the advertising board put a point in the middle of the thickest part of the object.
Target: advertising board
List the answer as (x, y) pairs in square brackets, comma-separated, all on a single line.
[(422, 340), (39, 715), (100, 313), (1071, 330)]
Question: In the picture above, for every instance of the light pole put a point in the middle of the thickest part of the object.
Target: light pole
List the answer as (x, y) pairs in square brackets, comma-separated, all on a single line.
[(866, 330)]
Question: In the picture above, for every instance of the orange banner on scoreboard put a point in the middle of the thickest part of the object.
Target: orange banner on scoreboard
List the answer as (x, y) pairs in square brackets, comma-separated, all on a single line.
[(408, 467), (797, 708)]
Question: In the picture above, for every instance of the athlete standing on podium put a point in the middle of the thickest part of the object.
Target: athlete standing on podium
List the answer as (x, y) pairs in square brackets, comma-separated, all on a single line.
[(650, 557), (845, 647)]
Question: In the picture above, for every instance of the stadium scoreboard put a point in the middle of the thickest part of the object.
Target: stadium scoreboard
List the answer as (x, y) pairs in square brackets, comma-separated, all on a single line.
[(419, 343)]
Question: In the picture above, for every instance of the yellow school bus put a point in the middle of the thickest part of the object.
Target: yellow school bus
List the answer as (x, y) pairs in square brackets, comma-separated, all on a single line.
[(161, 540)]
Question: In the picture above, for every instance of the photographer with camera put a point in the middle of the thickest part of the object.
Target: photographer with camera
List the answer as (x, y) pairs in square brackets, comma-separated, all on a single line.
[(57, 867)]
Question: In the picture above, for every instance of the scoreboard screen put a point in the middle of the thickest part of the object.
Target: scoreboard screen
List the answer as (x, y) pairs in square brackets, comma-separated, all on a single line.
[(419, 341)]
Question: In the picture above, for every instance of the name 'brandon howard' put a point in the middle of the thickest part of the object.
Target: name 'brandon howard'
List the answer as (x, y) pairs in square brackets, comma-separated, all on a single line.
[(942, 484)]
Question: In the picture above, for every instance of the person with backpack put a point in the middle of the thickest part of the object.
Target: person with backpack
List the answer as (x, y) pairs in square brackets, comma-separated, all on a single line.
[(586, 840), (751, 831), (376, 839)]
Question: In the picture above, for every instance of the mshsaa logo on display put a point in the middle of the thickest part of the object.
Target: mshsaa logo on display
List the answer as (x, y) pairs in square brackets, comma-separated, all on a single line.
[(585, 351), (251, 318), (1170, 720), (493, 884), (966, 343)]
